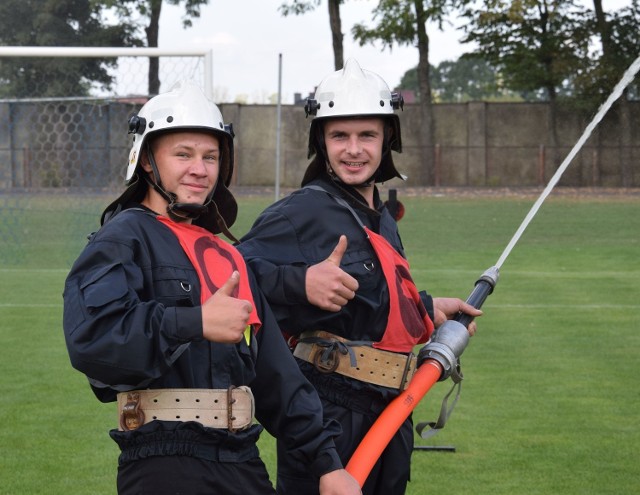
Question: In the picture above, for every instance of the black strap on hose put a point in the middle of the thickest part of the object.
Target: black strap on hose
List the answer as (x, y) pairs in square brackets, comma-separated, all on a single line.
[(435, 426)]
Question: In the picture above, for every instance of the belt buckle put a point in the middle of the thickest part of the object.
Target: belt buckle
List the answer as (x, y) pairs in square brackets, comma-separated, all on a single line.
[(326, 361), (132, 417)]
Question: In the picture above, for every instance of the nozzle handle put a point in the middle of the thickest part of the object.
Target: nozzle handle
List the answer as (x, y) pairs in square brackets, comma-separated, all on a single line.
[(484, 286)]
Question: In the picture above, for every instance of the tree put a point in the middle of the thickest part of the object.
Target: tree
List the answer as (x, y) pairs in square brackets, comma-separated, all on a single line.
[(470, 78), (619, 36), (403, 22), (537, 45), (299, 7), (56, 23), (463, 80), (150, 11)]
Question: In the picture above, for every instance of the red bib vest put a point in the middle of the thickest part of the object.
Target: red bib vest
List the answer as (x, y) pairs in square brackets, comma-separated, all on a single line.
[(408, 323), (214, 260)]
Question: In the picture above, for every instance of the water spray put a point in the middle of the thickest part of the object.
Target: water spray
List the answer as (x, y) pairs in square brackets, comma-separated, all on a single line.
[(440, 356)]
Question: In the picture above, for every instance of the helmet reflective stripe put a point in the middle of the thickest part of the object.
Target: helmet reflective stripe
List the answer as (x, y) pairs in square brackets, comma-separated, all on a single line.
[(184, 107), (353, 91)]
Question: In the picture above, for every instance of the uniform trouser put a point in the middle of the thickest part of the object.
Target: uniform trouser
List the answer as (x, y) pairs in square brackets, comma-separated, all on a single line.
[(185, 475), (389, 475)]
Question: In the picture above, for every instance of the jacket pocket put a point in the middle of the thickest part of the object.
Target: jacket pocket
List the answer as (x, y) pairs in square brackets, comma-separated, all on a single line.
[(174, 287), (363, 266), (104, 286)]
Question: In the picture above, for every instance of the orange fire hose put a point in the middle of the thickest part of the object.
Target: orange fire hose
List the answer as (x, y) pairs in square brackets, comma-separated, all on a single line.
[(440, 356), (388, 423)]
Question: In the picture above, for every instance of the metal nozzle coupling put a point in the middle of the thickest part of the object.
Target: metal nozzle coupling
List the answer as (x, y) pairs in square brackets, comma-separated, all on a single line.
[(451, 338), (491, 276), (446, 346)]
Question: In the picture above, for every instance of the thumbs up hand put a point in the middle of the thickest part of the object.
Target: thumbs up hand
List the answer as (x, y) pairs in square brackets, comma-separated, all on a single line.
[(327, 285), (225, 317)]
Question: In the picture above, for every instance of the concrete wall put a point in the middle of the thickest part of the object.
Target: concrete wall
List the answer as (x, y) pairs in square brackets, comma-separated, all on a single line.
[(477, 144), (79, 144)]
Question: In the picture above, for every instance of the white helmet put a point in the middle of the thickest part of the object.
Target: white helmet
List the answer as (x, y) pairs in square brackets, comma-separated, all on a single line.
[(353, 92), (184, 107)]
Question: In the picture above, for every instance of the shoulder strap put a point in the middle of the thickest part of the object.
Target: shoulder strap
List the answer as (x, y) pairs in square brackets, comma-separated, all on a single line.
[(340, 201)]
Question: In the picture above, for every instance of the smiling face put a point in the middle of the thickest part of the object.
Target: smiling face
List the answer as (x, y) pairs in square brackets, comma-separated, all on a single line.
[(188, 163), (354, 150)]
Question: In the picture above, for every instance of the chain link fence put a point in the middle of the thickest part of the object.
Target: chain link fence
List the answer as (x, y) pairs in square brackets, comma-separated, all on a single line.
[(62, 159)]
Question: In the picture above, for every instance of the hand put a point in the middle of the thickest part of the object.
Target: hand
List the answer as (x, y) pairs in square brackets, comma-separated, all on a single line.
[(446, 308), (339, 482), (225, 317), (327, 285)]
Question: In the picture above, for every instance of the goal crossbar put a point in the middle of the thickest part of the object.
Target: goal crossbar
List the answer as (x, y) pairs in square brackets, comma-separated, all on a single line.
[(101, 52)]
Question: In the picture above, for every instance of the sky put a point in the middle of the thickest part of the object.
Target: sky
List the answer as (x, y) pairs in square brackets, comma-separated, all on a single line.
[(247, 38)]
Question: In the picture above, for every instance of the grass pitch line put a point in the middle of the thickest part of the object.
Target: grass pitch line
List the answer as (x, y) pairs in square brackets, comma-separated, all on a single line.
[(565, 306), (30, 305), (553, 274), (493, 306), (34, 270)]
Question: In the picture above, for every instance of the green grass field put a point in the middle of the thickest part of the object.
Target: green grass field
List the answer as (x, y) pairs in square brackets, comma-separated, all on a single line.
[(550, 401)]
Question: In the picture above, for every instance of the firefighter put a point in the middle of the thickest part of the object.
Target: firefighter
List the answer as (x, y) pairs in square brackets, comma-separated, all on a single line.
[(163, 318), (330, 261)]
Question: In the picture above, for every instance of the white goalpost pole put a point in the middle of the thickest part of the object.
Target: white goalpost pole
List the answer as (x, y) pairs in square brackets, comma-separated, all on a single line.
[(98, 52)]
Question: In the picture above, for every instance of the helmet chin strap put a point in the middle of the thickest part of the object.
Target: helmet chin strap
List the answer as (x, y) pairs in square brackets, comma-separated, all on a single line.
[(178, 212)]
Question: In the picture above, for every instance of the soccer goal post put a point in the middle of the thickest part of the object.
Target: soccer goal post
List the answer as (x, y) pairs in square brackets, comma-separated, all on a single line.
[(131, 65), (63, 137)]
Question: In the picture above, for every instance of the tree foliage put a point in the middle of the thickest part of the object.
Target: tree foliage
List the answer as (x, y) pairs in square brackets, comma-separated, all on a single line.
[(537, 50), (537, 45), (127, 9), (56, 23), (148, 19), (398, 23), (619, 41), (403, 22), (469, 78), (298, 7)]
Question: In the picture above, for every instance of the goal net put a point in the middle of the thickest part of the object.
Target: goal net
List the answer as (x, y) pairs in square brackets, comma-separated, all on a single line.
[(63, 155)]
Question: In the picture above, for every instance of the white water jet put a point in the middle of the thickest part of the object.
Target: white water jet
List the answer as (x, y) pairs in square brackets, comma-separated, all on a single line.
[(615, 94)]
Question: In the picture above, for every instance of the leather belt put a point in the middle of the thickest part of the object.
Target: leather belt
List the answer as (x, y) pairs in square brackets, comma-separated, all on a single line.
[(231, 408), (330, 353)]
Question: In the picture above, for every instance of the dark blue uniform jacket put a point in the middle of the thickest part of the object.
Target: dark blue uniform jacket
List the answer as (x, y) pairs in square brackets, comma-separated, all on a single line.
[(132, 320), (302, 230)]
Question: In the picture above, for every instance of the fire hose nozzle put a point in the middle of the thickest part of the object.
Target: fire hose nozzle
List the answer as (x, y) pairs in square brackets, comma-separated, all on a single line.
[(446, 345), (451, 338)]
